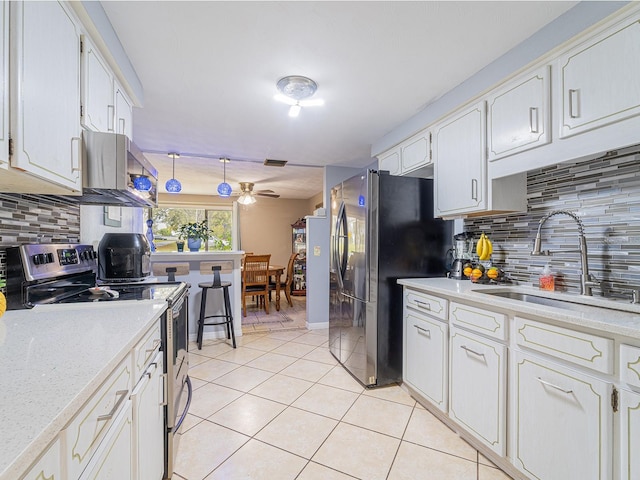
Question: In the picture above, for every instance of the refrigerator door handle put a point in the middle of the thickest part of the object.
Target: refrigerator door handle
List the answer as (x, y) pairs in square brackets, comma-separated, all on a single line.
[(342, 235)]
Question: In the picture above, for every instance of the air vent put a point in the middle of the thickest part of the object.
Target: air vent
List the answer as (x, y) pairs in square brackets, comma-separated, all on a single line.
[(275, 163)]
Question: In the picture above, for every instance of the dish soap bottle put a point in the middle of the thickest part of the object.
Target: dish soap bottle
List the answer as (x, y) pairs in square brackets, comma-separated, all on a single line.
[(547, 279)]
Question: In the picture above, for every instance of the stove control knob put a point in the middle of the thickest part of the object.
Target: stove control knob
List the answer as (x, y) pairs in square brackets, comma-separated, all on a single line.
[(39, 259), (49, 258)]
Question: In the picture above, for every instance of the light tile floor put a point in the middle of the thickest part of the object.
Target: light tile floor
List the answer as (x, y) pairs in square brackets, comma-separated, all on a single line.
[(279, 407)]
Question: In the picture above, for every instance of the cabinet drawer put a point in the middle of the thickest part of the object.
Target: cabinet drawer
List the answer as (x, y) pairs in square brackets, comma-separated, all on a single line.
[(87, 429), (580, 348), (48, 467), (145, 350), (482, 321), (630, 365), (426, 303)]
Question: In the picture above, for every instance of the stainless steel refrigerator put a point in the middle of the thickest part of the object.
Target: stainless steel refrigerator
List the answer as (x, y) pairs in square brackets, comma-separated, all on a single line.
[(382, 230)]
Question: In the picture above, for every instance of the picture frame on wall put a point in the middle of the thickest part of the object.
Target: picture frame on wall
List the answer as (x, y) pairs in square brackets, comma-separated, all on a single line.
[(113, 216)]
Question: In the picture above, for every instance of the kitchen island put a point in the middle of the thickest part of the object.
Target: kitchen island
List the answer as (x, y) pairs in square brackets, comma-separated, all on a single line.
[(54, 358), (200, 271)]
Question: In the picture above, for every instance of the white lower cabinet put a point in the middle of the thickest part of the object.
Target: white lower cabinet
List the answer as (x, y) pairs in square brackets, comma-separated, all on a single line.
[(629, 408), (148, 423), (112, 460), (562, 422), (477, 394), (48, 467), (426, 357)]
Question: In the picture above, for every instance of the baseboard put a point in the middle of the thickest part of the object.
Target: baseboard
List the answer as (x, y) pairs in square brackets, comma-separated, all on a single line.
[(317, 325)]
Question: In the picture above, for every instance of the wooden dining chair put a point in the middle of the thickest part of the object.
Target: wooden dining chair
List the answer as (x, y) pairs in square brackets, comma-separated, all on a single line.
[(286, 285), (255, 280)]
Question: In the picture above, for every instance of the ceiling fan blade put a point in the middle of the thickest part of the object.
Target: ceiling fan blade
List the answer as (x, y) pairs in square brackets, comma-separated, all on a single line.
[(311, 103), (271, 195), (284, 99)]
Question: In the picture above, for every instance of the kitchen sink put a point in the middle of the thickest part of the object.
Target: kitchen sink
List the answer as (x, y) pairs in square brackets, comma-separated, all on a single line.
[(575, 306)]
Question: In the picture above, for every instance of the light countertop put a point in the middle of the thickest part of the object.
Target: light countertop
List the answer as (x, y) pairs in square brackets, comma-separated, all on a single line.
[(53, 358), (612, 320)]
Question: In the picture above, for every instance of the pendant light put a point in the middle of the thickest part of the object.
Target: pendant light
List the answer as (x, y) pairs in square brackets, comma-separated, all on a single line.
[(224, 189), (173, 185), (142, 182)]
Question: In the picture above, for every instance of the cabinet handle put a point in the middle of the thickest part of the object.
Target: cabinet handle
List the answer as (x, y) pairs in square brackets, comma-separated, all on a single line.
[(423, 331), (467, 349), (156, 344), (424, 305), (110, 117), (109, 416), (568, 392), (165, 394), (121, 122), (76, 153), (474, 189), (574, 98), (533, 119)]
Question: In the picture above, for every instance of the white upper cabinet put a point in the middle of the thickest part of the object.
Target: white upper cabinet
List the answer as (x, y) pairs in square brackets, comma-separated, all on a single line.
[(98, 106), (518, 115), (460, 168), (390, 161), (416, 152), (4, 84), (599, 79), (45, 93), (123, 113)]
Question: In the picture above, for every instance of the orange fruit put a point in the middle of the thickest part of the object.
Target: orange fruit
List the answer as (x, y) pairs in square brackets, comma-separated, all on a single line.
[(476, 273), (467, 271), (493, 273)]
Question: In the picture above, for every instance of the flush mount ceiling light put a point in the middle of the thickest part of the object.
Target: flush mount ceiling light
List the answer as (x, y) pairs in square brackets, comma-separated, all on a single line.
[(295, 91), (247, 197), (224, 189), (173, 185)]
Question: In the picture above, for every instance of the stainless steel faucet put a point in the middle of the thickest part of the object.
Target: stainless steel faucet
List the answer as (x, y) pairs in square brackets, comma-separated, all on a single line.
[(587, 281)]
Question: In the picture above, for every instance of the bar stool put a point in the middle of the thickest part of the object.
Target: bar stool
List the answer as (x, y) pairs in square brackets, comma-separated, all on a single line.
[(170, 270), (227, 317)]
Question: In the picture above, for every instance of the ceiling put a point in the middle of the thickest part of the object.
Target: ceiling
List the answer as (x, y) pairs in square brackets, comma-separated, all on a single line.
[(209, 71)]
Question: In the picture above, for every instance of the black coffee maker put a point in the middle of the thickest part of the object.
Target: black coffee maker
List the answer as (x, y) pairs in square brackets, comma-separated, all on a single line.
[(462, 253)]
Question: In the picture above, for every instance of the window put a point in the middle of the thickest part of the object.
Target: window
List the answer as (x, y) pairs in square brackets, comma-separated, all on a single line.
[(167, 221)]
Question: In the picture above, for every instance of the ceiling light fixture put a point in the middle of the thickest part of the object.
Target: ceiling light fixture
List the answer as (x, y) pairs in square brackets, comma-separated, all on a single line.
[(247, 197), (224, 189), (173, 185), (294, 91), (141, 182)]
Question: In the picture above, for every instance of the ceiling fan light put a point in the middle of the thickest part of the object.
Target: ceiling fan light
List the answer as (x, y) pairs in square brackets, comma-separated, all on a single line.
[(224, 190), (284, 99), (246, 199), (173, 186), (294, 111)]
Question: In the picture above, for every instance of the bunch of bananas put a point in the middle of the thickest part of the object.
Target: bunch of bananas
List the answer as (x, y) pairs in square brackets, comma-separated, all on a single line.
[(484, 248)]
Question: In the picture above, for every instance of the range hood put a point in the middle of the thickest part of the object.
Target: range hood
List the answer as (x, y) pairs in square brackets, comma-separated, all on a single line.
[(110, 164)]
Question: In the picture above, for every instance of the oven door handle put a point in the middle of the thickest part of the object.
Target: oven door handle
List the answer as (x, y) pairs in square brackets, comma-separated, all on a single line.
[(186, 407)]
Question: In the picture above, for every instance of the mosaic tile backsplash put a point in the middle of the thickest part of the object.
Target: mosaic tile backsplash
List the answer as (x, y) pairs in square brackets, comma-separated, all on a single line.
[(36, 218), (605, 194)]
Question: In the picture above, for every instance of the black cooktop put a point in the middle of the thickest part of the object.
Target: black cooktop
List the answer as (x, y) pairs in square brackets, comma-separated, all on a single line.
[(147, 291)]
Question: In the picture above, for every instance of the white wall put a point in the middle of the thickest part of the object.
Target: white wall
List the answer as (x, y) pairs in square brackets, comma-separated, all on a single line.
[(92, 226)]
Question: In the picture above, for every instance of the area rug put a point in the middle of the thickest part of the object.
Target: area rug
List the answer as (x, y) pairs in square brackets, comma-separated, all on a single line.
[(262, 318)]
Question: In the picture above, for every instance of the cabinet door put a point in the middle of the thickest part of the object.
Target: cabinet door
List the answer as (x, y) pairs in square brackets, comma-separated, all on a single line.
[(113, 457), (46, 92), (477, 394), (97, 96), (426, 357), (518, 115), (390, 161), (48, 467), (4, 84), (460, 163), (148, 423), (124, 113), (416, 152), (563, 422), (629, 435), (599, 79)]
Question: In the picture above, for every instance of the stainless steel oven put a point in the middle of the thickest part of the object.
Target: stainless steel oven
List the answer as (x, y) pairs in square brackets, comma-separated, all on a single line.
[(40, 274)]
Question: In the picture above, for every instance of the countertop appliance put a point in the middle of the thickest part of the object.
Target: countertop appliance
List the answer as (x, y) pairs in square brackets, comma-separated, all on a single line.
[(111, 163), (41, 274), (462, 253), (382, 229), (123, 257)]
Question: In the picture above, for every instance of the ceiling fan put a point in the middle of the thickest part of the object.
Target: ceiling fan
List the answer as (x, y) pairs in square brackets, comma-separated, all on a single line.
[(294, 91), (247, 195)]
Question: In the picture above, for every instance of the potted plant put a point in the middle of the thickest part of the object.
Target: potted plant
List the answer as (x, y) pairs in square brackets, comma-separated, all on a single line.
[(195, 233)]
